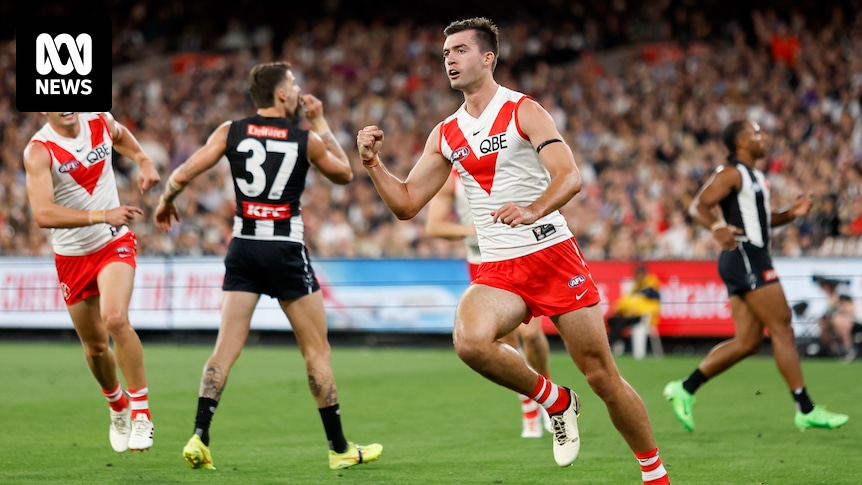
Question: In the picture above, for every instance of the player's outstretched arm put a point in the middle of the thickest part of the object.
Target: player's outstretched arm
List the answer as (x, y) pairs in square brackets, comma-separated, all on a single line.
[(800, 208), (46, 213), (404, 198), (201, 160), (127, 145)]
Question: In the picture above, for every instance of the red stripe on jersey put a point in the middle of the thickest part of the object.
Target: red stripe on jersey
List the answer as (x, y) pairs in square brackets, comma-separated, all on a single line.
[(503, 118), (440, 138), (105, 121), (481, 168), (87, 177), (517, 124), (97, 131)]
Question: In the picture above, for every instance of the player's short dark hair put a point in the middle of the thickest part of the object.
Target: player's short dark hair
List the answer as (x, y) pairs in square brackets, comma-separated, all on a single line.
[(731, 133), (487, 34), (263, 80)]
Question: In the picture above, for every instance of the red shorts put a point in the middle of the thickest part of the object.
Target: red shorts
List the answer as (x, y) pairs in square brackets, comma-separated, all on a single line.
[(551, 282), (78, 274), (474, 271)]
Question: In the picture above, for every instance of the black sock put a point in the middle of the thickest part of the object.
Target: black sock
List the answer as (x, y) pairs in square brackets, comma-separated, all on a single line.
[(694, 381), (803, 402), (331, 418), (206, 409)]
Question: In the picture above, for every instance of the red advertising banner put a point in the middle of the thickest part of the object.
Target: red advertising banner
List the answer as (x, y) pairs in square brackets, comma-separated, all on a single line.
[(411, 295), (694, 301)]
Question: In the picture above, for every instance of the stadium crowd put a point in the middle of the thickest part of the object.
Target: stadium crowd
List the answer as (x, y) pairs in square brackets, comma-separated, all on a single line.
[(641, 95)]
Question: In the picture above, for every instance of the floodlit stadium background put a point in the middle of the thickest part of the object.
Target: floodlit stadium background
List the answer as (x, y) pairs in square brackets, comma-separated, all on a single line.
[(640, 90)]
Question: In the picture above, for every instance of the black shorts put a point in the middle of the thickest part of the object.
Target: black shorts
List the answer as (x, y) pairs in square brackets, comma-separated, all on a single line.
[(279, 269), (746, 268)]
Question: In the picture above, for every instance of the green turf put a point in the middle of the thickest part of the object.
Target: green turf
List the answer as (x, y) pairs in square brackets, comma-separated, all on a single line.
[(438, 421)]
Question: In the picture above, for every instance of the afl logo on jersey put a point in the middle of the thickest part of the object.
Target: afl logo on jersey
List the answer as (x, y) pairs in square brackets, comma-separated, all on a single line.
[(460, 153), (577, 281), (69, 166)]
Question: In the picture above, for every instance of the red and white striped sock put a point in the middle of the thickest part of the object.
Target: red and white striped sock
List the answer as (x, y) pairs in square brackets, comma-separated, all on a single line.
[(528, 407), (652, 471), (555, 399), (116, 398), (140, 402)]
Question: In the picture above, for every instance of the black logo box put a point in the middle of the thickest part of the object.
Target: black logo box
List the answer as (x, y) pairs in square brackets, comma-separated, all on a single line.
[(68, 92)]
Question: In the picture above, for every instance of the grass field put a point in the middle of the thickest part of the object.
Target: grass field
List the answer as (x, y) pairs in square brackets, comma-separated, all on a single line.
[(438, 421)]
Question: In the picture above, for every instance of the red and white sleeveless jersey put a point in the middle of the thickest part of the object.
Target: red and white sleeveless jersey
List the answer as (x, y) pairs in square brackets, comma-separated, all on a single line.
[(498, 164), (462, 208), (83, 174)]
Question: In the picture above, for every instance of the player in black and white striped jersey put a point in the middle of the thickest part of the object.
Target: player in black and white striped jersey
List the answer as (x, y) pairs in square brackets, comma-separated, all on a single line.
[(270, 154), (742, 226)]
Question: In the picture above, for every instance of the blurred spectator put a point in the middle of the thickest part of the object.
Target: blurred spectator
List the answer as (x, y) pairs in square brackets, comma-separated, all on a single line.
[(838, 321), (643, 298), (825, 219)]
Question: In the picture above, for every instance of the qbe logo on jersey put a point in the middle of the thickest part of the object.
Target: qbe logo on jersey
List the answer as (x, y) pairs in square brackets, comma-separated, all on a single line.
[(63, 64)]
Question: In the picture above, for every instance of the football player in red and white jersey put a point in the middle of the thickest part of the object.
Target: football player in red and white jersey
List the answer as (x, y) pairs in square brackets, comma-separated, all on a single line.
[(517, 172), (72, 190)]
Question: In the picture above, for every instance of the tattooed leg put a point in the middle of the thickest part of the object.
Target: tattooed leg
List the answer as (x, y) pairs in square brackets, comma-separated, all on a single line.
[(322, 388), (213, 381)]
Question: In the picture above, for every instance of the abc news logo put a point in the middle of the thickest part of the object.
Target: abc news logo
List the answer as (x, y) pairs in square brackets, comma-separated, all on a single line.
[(48, 60), (63, 64)]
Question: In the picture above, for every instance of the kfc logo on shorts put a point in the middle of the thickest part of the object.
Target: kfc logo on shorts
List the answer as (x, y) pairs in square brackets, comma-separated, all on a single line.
[(69, 166), (770, 275), (577, 281), (460, 154), (66, 291)]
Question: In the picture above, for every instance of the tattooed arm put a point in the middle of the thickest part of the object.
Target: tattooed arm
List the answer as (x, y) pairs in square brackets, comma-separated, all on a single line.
[(324, 151), (202, 160)]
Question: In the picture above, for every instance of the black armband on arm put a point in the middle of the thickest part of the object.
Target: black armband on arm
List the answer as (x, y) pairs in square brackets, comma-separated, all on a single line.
[(546, 143)]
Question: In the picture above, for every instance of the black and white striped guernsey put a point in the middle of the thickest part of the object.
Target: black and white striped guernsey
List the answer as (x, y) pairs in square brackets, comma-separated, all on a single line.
[(268, 162), (748, 207)]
